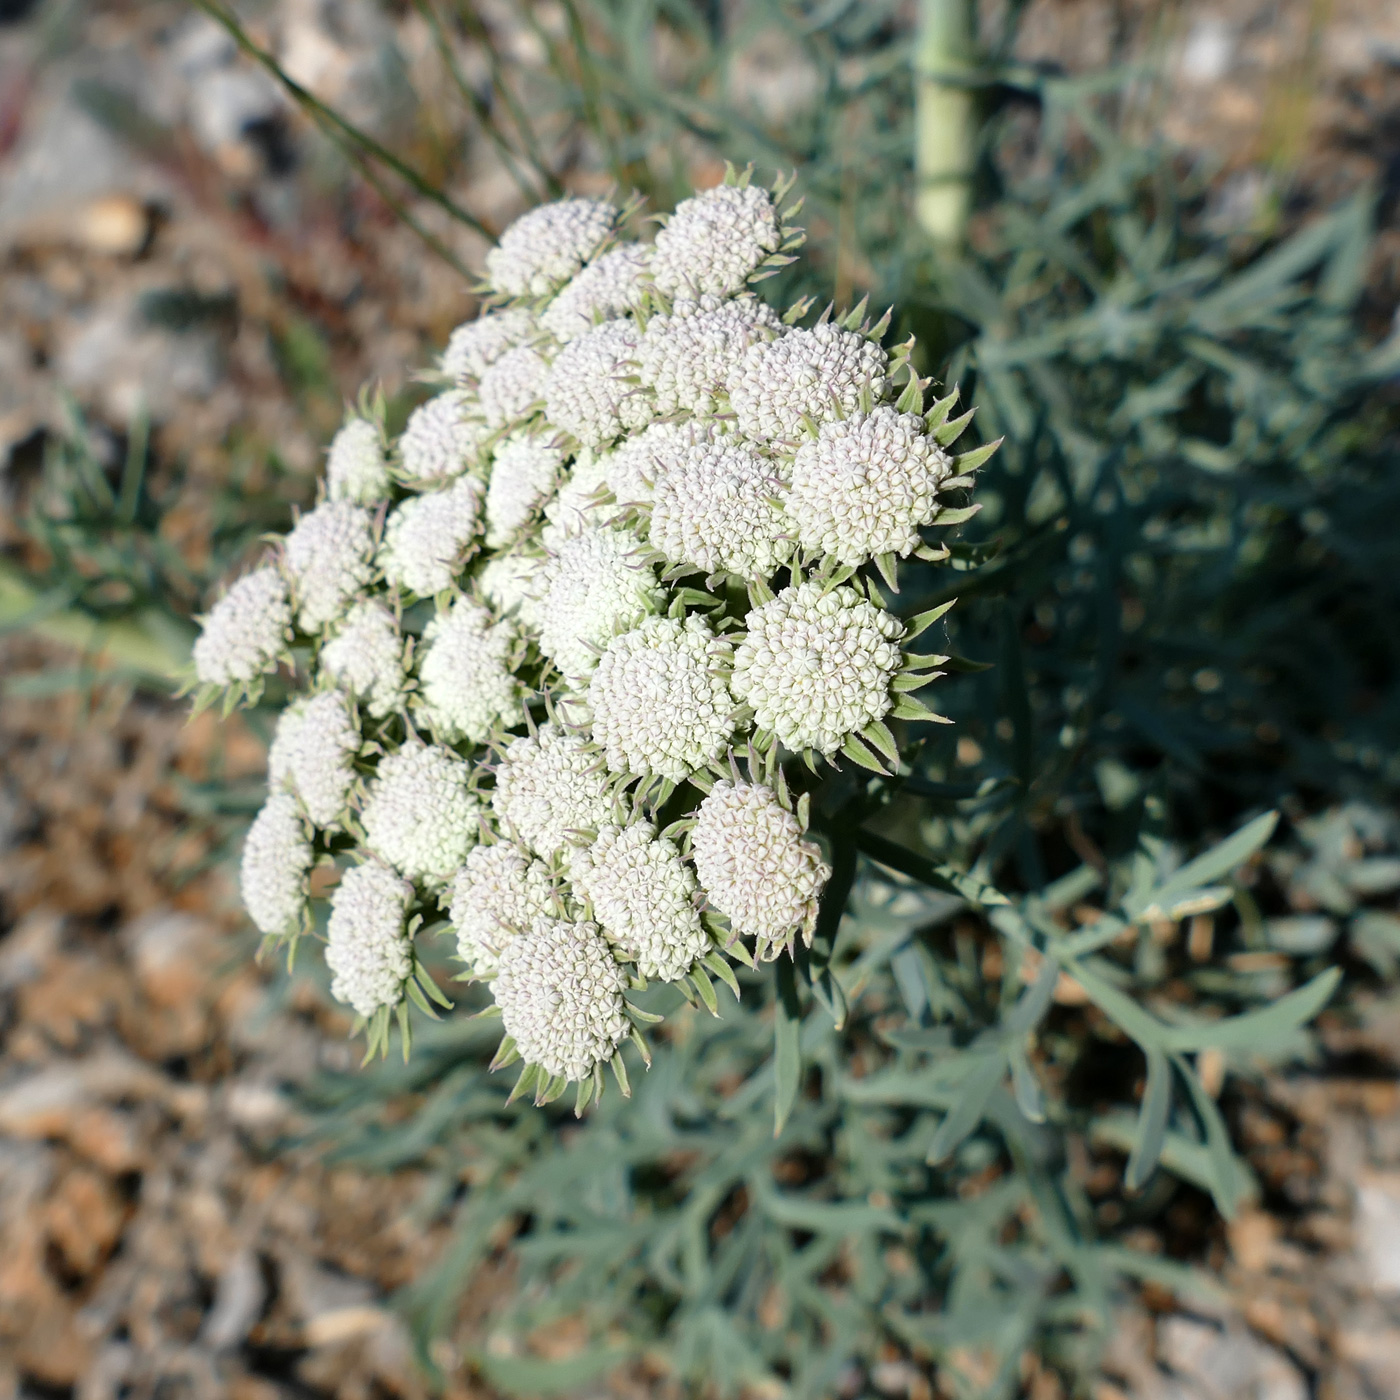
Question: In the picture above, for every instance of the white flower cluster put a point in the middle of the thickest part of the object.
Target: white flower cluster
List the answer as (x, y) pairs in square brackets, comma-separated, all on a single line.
[(866, 485), (659, 698), (476, 344), (607, 287), (367, 946), (510, 385), (717, 241), (366, 656), (718, 508), (312, 755), (780, 386), (816, 665), (356, 468), (549, 786), (246, 632), (465, 682), (327, 557), (428, 538), (687, 356), (560, 993), (439, 440), (632, 548), (595, 585), (590, 391), (420, 815), (645, 898), (755, 866), (499, 891), (548, 245), (276, 859), (523, 474)]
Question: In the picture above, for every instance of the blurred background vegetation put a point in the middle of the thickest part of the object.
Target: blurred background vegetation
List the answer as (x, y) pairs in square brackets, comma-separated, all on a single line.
[(1159, 260)]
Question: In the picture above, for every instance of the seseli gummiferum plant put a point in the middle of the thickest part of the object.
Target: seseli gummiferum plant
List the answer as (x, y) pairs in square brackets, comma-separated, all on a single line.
[(1191, 481), (603, 678)]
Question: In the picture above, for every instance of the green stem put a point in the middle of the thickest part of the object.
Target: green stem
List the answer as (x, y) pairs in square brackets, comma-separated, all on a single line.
[(944, 119)]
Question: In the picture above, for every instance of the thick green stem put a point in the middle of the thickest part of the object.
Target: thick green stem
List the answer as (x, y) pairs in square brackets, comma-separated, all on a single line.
[(944, 118)]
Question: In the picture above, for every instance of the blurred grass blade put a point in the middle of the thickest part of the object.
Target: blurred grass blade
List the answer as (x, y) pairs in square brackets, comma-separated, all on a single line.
[(1219, 861), (787, 1044), (357, 144), (484, 116), (1152, 1121), (1225, 1182), (977, 1087), (1257, 1030)]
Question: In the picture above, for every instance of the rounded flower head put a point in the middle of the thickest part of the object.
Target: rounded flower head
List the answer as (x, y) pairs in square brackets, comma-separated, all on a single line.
[(465, 682), (439, 441), (716, 240), (548, 245), (313, 753), (817, 664), (659, 699), (866, 485), (279, 753), (356, 468), (476, 344), (365, 656), (511, 584), (499, 892), (428, 538), (645, 899), (419, 814), (687, 357), (589, 392), (327, 557), (637, 463), (367, 944), (550, 785), (560, 994), (594, 587), (276, 859), (606, 288), (820, 374), (511, 386), (576, 507), (718, 508), (245, 632), (755, 866), (523, 473)]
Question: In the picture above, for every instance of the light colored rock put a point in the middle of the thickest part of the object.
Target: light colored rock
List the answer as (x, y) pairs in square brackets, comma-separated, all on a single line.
[(238, 1303), (333, 1307), (172, 952), (1374, 1349), (115, 224), (29, 945), (1209, 51), (63, 164), (1225, 1362), (48, 1103), (113, 357), (1378, 1229)]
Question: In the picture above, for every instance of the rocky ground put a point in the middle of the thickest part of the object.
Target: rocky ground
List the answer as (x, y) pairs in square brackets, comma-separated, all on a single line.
[(198, 261)]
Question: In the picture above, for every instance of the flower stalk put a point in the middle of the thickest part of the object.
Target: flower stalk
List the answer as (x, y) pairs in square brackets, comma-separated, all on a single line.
[(945, 126)]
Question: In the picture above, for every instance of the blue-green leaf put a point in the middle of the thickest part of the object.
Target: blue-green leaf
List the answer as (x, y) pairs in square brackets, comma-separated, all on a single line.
[(1152, 1121)]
